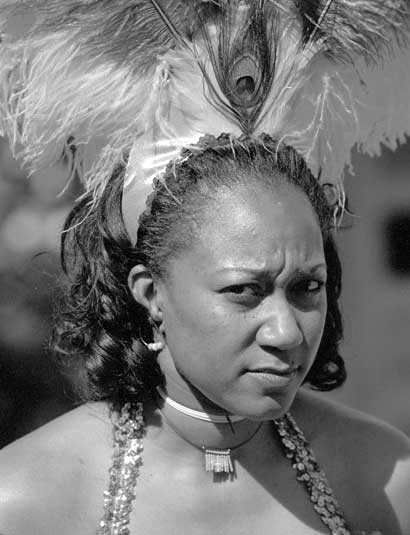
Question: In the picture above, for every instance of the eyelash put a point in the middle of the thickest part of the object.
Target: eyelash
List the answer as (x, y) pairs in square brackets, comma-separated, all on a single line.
[(241, 287), (320, 285), (238, 290), (257, 292)]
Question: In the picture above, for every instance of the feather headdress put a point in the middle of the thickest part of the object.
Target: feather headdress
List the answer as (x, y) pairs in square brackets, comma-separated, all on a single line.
[(134, 81)]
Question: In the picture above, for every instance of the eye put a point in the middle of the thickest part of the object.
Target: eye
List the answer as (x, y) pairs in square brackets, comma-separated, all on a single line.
[(244, 293), (312, 286), (308, 291)]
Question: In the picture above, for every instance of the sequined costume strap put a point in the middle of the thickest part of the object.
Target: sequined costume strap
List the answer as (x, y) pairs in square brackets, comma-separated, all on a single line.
[(128, 433), (308, 472)]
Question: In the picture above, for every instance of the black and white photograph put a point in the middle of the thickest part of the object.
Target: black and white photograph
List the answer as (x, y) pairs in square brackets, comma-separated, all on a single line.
[(204, 267)]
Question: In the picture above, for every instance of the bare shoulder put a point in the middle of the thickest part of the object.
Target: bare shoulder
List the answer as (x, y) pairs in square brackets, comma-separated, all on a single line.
[(366, 460), (55, 476), (324, 415)]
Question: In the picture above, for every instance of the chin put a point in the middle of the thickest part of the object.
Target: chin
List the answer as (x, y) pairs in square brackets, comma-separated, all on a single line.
[(267, 408)]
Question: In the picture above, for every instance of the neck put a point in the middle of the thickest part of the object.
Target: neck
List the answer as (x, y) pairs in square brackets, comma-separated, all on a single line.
[(181, 390), (184, 393), (211, 417), (199, 432)]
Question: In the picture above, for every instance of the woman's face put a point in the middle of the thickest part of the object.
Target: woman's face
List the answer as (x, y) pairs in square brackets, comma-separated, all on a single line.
[(244, 307)]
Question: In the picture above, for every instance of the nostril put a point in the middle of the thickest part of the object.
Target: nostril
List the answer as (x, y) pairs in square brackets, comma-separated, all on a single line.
[(280, 336)]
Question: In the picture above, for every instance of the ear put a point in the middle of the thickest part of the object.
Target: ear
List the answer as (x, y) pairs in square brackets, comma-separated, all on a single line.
[(144, 290)]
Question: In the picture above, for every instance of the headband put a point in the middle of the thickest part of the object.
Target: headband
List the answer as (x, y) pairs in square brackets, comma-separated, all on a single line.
[(132, 82)]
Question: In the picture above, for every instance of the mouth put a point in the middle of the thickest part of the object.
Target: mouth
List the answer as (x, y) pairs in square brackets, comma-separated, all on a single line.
[(273, 377), (283, 372)]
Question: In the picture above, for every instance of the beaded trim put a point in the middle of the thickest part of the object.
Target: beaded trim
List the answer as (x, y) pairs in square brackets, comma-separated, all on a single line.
[(128, 434), (308, 472)]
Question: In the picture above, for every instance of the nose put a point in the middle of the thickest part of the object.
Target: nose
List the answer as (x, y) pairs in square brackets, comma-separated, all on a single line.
[(280, 328)]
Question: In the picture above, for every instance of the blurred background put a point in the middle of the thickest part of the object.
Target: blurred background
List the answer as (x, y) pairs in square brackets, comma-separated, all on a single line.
[(375, 251), (32, 212)]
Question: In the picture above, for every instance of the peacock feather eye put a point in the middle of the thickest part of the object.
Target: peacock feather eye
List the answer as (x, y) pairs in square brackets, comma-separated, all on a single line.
[(245, 86), (244, 79), (242, 54)]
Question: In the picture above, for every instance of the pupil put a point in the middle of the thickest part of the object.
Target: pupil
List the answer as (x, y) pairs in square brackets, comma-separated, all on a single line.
[(245, 85)]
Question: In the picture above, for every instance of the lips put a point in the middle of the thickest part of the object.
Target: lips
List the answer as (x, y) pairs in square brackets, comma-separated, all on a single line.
[(271, 379), (275, 371)]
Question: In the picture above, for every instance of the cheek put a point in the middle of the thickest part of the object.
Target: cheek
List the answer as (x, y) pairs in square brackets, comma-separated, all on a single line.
[(195, 323), (313, 326)]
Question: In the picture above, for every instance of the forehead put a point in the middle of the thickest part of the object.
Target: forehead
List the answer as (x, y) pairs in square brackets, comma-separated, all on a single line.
[(254, 224)]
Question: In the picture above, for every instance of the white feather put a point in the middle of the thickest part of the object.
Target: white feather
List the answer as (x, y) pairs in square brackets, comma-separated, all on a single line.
[(56, 86)]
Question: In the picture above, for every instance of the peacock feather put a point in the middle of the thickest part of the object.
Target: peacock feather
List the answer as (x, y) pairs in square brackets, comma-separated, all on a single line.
[(133, 81)]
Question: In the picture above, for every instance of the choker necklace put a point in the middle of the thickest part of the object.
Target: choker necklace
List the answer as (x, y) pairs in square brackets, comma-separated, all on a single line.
[(198, 415), (217, 460)]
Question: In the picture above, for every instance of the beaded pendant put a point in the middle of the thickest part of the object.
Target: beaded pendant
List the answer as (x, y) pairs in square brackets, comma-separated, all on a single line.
[(218, 461)]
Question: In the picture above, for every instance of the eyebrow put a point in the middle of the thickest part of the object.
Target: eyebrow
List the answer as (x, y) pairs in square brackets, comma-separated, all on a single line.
[(264, 271)]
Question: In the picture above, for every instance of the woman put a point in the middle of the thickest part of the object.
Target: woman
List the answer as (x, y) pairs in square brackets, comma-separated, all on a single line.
[(196, 319), (236, 275)]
